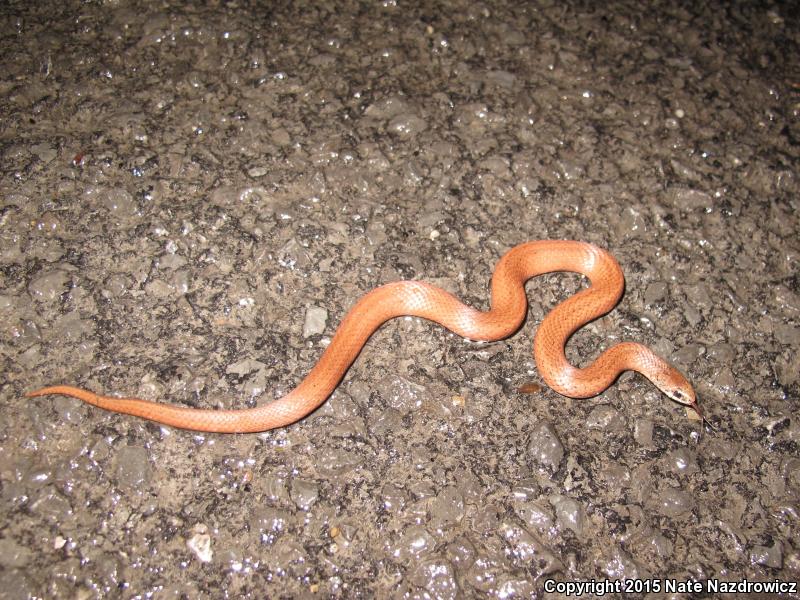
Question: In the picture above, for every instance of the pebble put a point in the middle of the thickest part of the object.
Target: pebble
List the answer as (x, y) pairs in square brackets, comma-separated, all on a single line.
[(315, 321), (545, 448)]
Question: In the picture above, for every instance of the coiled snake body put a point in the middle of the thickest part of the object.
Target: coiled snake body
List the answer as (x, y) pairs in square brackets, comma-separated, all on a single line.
[(508, 309)]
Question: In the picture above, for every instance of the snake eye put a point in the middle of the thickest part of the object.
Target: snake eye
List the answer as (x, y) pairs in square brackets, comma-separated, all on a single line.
[(680, 397)]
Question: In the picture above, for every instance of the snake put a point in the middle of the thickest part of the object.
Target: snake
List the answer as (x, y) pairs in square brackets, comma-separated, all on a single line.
[(508, 309)]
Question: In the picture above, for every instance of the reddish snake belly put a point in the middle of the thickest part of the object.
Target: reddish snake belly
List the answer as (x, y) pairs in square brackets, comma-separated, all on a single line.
[(508, 308)]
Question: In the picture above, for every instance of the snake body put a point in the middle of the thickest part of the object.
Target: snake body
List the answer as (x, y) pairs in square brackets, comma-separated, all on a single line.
[(508, 309)]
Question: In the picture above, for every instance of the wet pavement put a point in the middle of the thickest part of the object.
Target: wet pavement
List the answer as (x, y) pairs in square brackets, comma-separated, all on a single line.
[(193, 197)]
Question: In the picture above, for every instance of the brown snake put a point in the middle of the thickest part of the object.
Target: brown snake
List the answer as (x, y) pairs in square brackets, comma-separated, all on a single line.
[(508, 309)]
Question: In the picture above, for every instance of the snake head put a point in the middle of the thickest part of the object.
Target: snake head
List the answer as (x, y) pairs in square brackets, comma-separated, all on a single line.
[(684, 394), (673, 384), (681, 395), (676, 387)]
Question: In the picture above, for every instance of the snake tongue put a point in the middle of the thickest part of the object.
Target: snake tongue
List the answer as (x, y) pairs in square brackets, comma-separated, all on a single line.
[(696, 408)]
